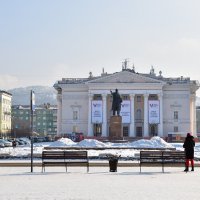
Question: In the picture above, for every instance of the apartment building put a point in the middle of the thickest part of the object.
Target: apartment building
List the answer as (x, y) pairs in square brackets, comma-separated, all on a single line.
[(5, 113), (44, 120)]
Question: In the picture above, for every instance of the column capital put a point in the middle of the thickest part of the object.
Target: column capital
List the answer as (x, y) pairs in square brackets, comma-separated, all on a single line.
[(193, 96), (132, 95)]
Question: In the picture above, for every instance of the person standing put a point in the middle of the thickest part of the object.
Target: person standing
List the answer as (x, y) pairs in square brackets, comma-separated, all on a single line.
[(189, 145), (14, 143)]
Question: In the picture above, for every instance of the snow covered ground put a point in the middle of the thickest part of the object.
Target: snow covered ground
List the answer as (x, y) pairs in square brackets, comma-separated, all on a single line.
[(155, 142), (18, 183), (99, 184)]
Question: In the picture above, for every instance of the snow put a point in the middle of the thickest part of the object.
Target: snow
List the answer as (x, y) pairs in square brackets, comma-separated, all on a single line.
[(133, 151), (155, 142), (55, 184), (62, 142), (91, 143), (127, 183)]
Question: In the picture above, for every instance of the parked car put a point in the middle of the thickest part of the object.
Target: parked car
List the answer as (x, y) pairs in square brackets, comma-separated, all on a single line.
[(6, 143), (1, 144), (25, 140), (20, 142)]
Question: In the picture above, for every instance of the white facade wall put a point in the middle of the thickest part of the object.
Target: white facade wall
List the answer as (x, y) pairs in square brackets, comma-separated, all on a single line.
[(74, 101), (180, 102), (174, 97)]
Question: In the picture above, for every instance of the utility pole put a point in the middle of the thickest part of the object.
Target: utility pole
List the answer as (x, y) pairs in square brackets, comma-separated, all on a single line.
[(32, 109)]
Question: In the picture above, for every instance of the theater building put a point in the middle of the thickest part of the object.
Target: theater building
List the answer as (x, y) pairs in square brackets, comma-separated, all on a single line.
[(152, 105)]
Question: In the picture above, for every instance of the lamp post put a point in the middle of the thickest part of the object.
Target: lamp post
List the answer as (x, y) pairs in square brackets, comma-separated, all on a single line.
[(32, 109)]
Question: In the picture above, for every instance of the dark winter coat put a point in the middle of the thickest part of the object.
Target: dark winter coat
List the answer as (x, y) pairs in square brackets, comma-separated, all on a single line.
[(189, 147)]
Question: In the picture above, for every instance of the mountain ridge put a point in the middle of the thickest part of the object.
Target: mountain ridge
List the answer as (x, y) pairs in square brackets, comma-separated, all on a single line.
[(43, 94)]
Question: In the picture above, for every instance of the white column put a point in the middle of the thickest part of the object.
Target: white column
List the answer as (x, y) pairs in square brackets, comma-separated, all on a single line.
[(104, 124), (90, 126), (193, 114), (146, 123), (195, 117), (132, 124), (160, 126), (59, 114)]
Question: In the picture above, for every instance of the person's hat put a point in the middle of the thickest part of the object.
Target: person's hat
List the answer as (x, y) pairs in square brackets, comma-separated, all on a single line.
[(189, 134)]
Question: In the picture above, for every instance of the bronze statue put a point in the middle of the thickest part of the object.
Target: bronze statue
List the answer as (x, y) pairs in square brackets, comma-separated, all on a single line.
[(116, 103)]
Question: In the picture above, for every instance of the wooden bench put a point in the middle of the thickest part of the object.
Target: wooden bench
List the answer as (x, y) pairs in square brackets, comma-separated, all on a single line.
[(161, 158), (77, 157), (64, 158)]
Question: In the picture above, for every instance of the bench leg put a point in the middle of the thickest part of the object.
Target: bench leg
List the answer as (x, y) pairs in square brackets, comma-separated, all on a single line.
[(87, 167), (162, 167), (43, 168)]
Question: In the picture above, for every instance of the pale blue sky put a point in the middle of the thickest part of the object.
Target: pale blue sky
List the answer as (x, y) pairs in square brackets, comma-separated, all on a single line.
[(42, 41)]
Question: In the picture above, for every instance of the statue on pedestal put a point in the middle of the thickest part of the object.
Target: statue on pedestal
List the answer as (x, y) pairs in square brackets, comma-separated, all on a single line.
[(116, 103)]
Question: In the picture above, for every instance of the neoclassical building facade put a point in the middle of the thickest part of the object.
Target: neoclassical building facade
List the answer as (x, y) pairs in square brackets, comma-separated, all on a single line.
[(152, 104)]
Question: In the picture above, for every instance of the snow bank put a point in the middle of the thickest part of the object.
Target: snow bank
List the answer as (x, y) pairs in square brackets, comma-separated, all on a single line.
[(91, 143), (154, 142), (62, 142)]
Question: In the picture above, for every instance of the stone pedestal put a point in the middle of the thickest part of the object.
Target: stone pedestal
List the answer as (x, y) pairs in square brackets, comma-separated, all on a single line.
[(115, 128)]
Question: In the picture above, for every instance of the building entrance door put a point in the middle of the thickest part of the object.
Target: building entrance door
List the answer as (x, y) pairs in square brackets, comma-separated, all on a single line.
[(153, 130), (97, 130)]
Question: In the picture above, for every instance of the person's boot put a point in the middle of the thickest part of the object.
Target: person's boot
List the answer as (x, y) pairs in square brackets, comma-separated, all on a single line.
[(186, 169), (192, 168)]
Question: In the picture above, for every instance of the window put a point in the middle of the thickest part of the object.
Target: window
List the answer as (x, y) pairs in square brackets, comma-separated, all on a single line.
[(125, 97), (139, 98), (97, 130), (175, 115), (75, 115), (139, 131), (175, 128), (97, 97), (138, 114), (75, 129), (125, 131)]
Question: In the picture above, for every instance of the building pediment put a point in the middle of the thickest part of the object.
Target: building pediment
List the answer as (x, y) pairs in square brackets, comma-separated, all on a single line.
[(125, 77)]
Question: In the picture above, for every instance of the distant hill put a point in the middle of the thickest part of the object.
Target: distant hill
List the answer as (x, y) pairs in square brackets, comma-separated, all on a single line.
[(43, 94)]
